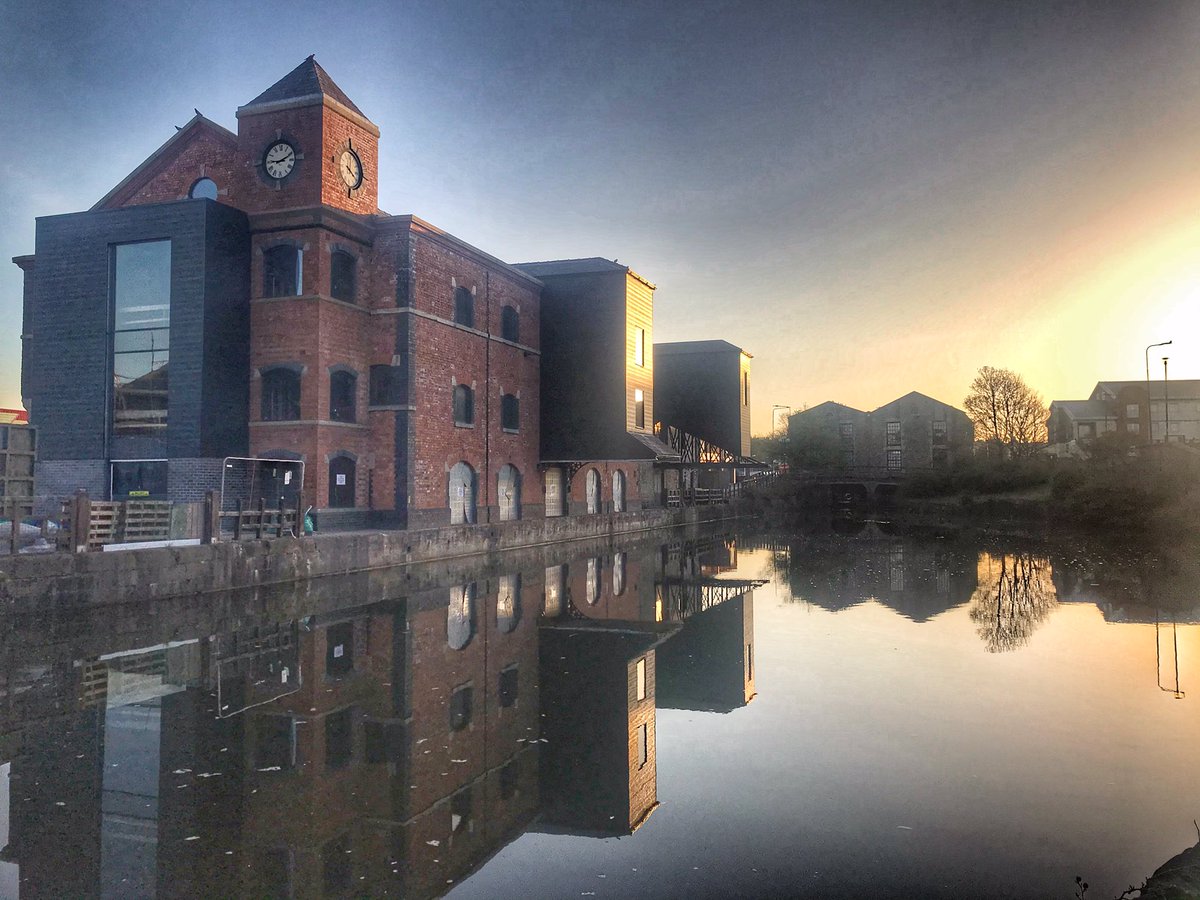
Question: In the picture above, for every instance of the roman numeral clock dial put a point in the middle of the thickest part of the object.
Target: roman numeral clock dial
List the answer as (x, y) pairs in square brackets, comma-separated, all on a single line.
[(279, 160)]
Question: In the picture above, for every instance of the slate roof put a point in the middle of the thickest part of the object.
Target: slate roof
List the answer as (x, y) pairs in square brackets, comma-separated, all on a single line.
[(679, 347), (1083, 409), (571, 266), (306, 80), (1183, 389)]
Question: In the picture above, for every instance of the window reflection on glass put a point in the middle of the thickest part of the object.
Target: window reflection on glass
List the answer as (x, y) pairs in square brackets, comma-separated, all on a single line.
[(593, 580), (141, 335), (618, 574), (282, 266), (508, 603), (460, 616), (204, 189), (555, 581)]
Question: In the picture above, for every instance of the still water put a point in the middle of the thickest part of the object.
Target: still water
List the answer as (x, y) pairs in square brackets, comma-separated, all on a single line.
[(856, 712)]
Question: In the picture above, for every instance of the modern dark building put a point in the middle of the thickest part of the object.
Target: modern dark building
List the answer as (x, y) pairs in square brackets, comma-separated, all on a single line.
[(703, 388), (597, 387)]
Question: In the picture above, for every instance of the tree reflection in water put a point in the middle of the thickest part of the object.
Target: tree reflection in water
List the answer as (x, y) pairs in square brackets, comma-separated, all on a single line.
[(1015, 594)]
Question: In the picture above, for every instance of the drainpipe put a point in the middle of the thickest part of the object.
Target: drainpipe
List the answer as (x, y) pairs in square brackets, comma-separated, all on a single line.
[(487, 393)]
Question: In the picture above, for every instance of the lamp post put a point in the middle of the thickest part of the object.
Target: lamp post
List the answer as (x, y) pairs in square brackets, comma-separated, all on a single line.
[(773, 420), (1166, 406), (1149, 406)]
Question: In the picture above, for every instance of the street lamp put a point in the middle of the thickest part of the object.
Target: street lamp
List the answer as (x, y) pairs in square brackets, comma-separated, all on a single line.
[(1149, 406), (773, 420), (1166, 406)]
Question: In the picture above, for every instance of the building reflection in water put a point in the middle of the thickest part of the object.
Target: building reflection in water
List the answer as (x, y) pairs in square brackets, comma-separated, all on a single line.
[(386, 749)]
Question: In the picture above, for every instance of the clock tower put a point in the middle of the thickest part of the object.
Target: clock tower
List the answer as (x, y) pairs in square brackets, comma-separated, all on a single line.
[(304, 143)]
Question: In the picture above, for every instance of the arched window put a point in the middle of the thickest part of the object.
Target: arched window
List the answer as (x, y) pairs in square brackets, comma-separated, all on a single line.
[(618, 574), (593, 580), (618, 491), (510, 324), (508, 603), (460, 616), (341, 481), (341, 276), (203, 189), (508, 490), (510, 413), (464, 307), (462, 495), (593, 491), (464, 405), (281, 271), (280, 395), (343, 386)]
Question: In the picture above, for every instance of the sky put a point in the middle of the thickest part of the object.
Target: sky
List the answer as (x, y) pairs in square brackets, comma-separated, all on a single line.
[(869, 197)]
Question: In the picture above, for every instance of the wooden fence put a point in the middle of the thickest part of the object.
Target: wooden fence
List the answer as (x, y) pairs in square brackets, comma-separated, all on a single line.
[(88, 525)]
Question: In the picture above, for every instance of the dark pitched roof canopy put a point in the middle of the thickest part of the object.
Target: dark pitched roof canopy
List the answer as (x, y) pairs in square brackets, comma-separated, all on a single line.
[(571, 266), (306, 80)]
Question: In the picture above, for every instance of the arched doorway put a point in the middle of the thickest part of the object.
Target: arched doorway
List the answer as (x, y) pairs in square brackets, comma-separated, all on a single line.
[(462, 495), (618, 491), (593, 491), (508, 490)]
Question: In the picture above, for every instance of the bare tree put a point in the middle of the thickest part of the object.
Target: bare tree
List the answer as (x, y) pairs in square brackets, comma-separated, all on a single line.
[(1005, 409)]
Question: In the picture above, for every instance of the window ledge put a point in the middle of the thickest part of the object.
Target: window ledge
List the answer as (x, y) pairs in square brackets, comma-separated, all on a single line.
[(464, 424), (390, 407), (511, 430)]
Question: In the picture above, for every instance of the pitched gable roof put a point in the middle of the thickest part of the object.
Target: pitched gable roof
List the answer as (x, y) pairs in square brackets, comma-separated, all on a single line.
[(306, 80), (157, 161)]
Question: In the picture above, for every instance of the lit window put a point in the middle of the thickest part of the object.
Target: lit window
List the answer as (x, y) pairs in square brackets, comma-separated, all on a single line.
[(745, 388), (641, 678)]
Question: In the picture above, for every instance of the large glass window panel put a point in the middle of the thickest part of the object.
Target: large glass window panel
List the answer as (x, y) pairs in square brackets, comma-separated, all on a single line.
[(142, 285)]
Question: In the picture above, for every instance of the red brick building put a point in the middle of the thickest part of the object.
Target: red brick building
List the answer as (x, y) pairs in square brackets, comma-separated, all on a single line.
[(299, 321)]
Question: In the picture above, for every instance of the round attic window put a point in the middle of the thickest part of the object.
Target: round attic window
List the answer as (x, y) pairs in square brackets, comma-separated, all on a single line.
[(204, 189)]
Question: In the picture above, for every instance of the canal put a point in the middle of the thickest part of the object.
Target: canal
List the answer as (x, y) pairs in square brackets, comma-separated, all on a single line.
[(853, 710)]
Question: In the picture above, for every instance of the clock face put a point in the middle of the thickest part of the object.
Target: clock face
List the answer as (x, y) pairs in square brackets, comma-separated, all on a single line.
[(280, 159), (350, 168)]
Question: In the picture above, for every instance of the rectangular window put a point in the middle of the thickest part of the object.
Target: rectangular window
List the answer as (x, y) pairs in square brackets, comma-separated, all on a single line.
[(893, 434), (639, 408), (939, 432), (641, 678), (141, 335), (1133, 427), (389, 386), (1132, 411), (643, 739), (508, 780), (639, 346), (745, 389), (508, 687), (274, 745), (749, 662), (893, 459), (139, 479)]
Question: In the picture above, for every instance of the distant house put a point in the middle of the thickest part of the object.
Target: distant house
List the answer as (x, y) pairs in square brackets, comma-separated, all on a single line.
[(1125, 406), (911, 433)]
